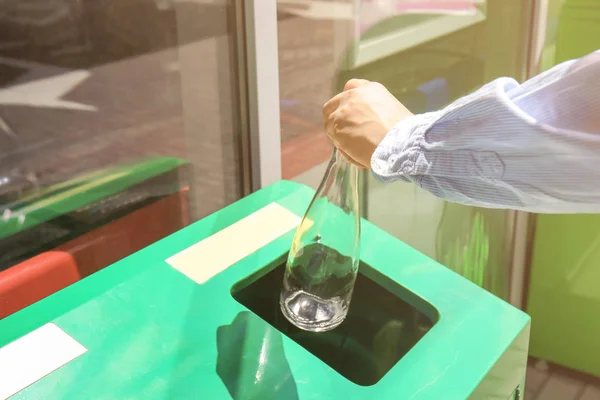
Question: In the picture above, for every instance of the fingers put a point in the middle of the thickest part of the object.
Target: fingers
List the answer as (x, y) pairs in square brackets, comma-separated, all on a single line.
[(332, 105), (355, 83), (330, 130), (334, 120)]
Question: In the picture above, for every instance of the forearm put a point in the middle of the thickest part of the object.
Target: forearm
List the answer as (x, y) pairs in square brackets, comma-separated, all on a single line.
[(533, 147)]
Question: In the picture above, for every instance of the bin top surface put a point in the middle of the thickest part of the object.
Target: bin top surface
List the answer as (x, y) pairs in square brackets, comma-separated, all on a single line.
[(154, 329)]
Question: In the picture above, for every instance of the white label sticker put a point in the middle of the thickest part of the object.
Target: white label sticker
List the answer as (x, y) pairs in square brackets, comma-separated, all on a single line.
[(35, 355), (218, 252)]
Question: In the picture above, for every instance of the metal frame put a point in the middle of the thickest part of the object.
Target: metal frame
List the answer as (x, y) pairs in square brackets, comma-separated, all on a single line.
[(205, 127), (238, 21), (259, 86), (524, 225), (245, 120)]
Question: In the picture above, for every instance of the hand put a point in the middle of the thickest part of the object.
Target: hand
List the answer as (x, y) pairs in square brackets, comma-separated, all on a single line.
[(358, 119)]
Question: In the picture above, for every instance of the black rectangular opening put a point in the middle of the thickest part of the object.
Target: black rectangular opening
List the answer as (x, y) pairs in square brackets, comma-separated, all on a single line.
[(381, 327)]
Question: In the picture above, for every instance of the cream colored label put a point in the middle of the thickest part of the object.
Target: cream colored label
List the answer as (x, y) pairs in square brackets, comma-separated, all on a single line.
[(35, 355), (218, 252)]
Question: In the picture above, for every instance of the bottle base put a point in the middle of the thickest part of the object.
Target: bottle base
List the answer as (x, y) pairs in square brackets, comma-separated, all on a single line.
[(313, 314)]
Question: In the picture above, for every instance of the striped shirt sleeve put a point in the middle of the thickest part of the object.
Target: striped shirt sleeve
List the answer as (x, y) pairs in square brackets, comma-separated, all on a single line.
[(533, 146)]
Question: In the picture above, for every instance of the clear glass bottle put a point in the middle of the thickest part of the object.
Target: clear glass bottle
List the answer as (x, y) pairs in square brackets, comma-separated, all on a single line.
[(323, 260)]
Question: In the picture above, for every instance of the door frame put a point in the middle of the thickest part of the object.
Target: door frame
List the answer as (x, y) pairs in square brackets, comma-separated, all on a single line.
[(258, 70), (524, 223)]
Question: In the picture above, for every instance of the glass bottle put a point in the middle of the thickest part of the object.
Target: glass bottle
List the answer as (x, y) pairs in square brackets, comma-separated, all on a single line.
[(323, 260)]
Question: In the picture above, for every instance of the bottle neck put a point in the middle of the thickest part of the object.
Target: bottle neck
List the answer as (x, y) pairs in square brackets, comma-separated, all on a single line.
[(340, 159), (342, 174)]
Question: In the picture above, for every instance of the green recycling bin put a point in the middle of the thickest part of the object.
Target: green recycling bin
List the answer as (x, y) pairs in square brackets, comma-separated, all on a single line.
[(196, 316)]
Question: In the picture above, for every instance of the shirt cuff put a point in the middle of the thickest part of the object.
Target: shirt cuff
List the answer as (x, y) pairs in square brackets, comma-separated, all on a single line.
[(399, 152)]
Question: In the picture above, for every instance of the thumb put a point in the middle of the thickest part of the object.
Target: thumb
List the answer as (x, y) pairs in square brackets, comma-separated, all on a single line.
[(355, 83)]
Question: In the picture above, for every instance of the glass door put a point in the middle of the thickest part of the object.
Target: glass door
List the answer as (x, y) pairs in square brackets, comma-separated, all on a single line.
[(430, 57), (427, 53), (562, 268), (121, 122)]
